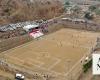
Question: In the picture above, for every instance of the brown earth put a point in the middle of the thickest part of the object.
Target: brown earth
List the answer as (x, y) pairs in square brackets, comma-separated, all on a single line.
[(97, 19), (88, 76), (12, 11), (5, 75), (53, 52)]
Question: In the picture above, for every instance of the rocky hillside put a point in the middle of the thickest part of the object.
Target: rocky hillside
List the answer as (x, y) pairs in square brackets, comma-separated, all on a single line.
[(12, 11)]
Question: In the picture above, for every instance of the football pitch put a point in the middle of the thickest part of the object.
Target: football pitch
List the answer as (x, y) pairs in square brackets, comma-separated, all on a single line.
[(57, 52)]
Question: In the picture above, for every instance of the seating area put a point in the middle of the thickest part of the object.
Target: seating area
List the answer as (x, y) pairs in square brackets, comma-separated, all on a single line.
[(14, 30)]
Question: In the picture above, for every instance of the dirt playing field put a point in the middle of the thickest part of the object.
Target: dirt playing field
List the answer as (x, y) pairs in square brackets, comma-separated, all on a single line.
[(56, 52), (6, 75)]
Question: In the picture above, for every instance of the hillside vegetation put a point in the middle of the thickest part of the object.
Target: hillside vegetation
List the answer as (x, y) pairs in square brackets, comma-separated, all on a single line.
[(12, 11)]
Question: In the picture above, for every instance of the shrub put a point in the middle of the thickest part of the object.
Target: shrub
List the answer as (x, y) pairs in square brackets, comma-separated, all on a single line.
[(87, 65), (97, 11), (92, 8), (89, 16)]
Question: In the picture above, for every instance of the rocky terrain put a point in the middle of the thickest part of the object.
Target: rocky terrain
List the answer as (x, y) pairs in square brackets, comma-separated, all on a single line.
[(12, 11)]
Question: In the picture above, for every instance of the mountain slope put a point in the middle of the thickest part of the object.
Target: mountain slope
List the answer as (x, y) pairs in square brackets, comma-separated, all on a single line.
[(22, 10)]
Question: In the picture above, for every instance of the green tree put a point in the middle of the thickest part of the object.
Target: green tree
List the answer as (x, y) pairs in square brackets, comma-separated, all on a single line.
[(87, 66), (97, 11), (92, 8), (88, 15), (76, 10), (66, 5)]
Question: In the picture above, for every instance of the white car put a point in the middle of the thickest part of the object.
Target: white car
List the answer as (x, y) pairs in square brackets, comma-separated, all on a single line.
[(19, 76)]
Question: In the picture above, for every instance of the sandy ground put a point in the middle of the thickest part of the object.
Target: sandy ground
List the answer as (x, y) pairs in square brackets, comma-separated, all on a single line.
[(6, 74), (97, 19), (56, 52), (89, 76)]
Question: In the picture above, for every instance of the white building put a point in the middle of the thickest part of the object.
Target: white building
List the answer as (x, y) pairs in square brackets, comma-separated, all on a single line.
[(28, 27)]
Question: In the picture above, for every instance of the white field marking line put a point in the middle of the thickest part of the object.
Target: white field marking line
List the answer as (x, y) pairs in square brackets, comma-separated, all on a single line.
[(15, 58), (58, 61), (22, 45), (25, 70), (40, 67), (39, 62), (43, 68), (75, 65), (51, 71), (53, 58), (55, 72), (23, 61), (89, 52), (70, 44), (44, 54), (48, 70)]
